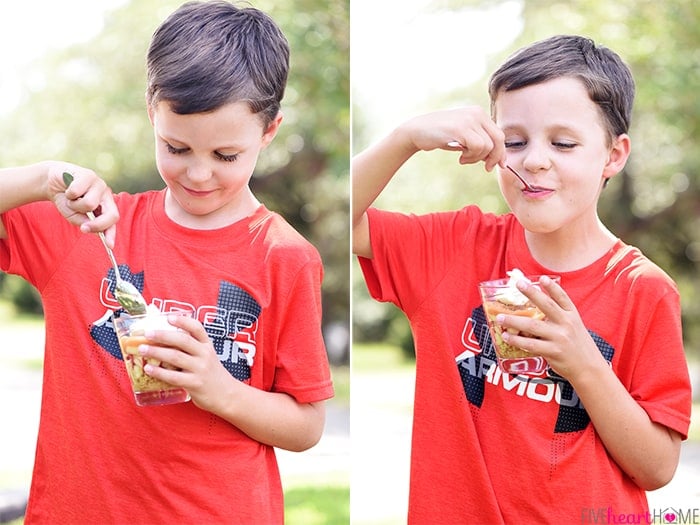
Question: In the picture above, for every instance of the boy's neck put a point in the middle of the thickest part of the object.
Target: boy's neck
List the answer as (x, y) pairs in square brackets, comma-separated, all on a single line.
[(243, 205), (566, 251)]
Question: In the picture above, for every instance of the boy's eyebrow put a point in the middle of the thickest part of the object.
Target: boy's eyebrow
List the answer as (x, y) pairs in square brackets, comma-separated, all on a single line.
[(174, 141), (556, 127), (511, 127), (170, 140)]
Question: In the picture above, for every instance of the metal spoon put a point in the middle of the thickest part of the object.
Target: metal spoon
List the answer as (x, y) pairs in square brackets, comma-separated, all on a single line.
[(124, 292), (528, 186)]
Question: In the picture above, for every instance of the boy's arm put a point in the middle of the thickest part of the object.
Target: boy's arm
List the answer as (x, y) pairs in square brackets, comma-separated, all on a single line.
[(371, 172), (44, 182), (23, 185), (647, 451), (272, 418), (372, 169)]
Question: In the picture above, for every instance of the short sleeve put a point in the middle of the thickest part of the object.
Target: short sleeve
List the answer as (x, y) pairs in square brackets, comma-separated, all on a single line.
[(660, 380), (302, 368)]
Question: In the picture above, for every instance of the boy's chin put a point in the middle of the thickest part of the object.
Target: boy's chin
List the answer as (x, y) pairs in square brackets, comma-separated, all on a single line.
[(540, 226)]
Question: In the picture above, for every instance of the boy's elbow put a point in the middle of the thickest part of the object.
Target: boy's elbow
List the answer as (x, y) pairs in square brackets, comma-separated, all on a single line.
[(653, 475), (658, 478), (361, 245), (658, 474), (310, 442), (314, 428)]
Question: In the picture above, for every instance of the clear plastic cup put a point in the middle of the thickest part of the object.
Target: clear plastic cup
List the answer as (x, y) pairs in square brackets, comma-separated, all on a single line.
[(130, 331), (498, 298)]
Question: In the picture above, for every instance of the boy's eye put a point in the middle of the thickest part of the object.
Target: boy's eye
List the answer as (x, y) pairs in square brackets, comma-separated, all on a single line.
[(564, 144), (174, 150), (226, 158), (515, 143)]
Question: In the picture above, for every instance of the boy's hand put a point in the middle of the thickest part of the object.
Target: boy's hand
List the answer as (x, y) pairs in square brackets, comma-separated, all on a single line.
[(272, 418), (85, 192), (191, 353), (475, 134), (562, 339), (646, 450)]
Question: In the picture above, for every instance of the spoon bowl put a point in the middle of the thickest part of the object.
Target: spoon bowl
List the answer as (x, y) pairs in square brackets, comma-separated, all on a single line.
[(129, 297)]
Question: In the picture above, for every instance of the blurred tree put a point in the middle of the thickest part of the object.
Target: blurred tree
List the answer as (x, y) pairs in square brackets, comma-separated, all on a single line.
[(307, 178), (86, 104), (655, 202)]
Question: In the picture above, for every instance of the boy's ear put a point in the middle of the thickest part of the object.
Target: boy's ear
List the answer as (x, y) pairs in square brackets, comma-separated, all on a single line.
[(149, 110), (617, 158), (272, 129)]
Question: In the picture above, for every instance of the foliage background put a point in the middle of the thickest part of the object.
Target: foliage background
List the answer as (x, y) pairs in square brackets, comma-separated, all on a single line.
[(653, 204), (86, 104)]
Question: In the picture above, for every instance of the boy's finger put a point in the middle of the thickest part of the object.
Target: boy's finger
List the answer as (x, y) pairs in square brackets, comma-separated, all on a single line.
[(557, 293), (539, 297), (111, 236), (496, 157)]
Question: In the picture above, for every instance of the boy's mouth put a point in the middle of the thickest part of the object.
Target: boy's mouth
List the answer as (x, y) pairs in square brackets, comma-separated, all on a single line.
[(536, 191), (197, 193)]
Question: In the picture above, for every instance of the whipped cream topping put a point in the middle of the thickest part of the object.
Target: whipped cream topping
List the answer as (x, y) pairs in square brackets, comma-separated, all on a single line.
[(153, 320), (511, 294)]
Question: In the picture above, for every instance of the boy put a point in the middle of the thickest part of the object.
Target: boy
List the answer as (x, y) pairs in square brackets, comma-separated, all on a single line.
[(251, 357), (517, 449)]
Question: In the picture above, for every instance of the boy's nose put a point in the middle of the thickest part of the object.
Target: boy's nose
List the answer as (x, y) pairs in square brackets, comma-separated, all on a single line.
[(199, 171), (536, 159)]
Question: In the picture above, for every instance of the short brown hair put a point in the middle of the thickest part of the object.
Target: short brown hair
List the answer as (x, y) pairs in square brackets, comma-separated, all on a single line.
[(208, 54), (607, 78)]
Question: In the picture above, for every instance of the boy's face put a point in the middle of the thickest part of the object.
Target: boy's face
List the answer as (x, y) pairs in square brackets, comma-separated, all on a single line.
[(206, 160), (555, 138)]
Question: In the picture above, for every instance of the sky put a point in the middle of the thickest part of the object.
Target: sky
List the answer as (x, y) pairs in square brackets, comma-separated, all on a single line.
[(28, 30), (403, 51)]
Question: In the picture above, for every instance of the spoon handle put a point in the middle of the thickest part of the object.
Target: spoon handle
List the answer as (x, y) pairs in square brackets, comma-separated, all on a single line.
[(527, 185), (107, 248), (67, 179)]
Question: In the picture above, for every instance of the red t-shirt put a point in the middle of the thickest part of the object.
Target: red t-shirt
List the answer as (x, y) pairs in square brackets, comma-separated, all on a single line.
[(492, 448), (255, 285)]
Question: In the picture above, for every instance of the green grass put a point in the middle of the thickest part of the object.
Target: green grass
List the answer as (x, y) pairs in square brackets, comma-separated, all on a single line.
[(321, 499), (379, 358), (35, 364), (317, 505), (316, 499)]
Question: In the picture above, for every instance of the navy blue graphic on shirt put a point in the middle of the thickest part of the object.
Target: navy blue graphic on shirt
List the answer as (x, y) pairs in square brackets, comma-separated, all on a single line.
[(234, 332), (481, 367), (231, 324), (102, 331)]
